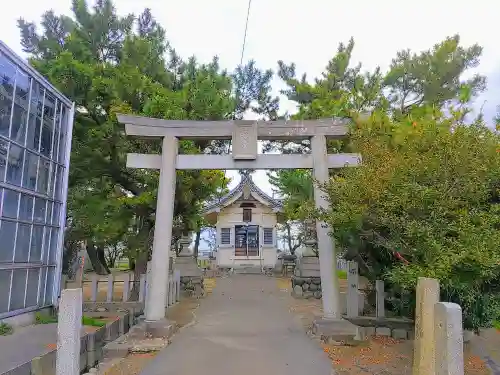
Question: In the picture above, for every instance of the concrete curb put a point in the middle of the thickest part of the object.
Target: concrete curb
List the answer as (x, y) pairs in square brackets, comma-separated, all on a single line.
[(91, 349)]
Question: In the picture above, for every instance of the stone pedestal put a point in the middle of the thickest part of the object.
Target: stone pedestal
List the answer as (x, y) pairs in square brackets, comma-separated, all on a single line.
[(335, 330)]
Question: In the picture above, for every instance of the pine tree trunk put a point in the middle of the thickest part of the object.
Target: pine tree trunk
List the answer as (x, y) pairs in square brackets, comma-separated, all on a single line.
[(94, 258)]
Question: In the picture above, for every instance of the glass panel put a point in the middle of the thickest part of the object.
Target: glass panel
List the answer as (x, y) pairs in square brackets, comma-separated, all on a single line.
[(40, 209), (48, 218), (8, 74), (18, 289), (26, 207), (4, 290), (36, 243), (58, 192), (21, 104), (55, 152), (32, 288), (48, 286), (41, 290), (43, 176), (62, 134), (48, 125), (15, 165), (3, 158), (10, 200), (55, 214), (52, 179), (30, 168), (53, 246), (35, 120), (22, 243), (7, 235), (46, 245)]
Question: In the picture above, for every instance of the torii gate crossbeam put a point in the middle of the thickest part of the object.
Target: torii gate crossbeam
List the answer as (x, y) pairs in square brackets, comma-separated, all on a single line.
[(244, 136)]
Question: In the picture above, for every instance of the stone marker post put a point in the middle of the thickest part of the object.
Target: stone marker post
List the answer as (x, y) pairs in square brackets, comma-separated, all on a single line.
[(353, 289), (448, 335), (68, 332), (177, 278), (380, 298), (424, 345)]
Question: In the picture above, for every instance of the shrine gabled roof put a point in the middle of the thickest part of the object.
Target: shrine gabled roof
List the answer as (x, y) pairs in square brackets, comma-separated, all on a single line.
[(249, 185)]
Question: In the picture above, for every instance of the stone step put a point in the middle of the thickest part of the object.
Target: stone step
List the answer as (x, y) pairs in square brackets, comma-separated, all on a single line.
[(248, 270)]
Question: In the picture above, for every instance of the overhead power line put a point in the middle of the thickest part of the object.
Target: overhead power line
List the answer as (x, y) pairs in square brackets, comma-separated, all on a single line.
[(245, 35)]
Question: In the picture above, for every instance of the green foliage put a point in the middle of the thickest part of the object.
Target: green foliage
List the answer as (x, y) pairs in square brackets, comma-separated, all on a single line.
[(428, 189), (5, 329), (41, 318), (93, 322), (110, 64)]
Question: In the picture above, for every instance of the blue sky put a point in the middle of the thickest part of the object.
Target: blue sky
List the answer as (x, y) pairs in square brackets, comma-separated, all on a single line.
[(305, 32)]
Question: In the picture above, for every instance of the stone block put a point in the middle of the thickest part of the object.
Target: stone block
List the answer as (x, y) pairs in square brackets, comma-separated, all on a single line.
[(69, 329), (309, 273), (159, 329), (364, 333), (448, 336), (112, 331), (24, 369), (309, 266), (424, 347), (309, 260), (399, 334), (116, 349), (45, 364), (383, 331), (297, 291), (337, 329)]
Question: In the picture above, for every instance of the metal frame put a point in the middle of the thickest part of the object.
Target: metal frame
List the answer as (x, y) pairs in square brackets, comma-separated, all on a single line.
[(52, 197)]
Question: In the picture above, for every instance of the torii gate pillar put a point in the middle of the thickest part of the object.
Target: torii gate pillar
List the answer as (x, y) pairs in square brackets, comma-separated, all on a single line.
[(155, 310)]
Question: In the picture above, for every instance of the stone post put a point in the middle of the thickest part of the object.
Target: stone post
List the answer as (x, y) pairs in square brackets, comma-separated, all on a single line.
[(68, 332), (326, 248), (424, 345), (142, 288), (448, 334), (126, 287), (380, 298), (352, 289), (94, 288), (111, 288), (155, 310), (177, 278)]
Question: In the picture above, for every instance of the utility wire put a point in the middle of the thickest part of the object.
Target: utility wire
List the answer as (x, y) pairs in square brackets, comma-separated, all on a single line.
[(245, 35)]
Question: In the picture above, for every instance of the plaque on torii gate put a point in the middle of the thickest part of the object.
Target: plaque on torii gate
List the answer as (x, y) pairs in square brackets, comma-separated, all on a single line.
[(244, 135)]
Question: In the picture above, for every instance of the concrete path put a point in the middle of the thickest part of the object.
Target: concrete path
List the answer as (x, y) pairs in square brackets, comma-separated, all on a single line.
[(243, 327)]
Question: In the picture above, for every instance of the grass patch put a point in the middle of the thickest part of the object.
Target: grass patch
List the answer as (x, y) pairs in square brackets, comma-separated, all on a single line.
[(5, 329), (496, 324), (51, 319), (342, 274)]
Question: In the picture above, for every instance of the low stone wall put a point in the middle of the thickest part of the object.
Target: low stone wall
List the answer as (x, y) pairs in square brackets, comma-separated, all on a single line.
[(91, 349)]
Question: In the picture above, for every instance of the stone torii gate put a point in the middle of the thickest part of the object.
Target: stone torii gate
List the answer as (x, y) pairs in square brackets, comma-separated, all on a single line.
[(244, 136)]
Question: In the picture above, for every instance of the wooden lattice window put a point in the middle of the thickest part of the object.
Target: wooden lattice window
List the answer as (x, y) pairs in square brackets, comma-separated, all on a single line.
[(225, 236), (247, 215), (268, 236)]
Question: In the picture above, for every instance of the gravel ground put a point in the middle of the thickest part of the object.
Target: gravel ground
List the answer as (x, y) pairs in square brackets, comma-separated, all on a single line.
[(378, 356)]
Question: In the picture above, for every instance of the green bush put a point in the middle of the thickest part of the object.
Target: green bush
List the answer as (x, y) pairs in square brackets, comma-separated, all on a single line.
[(5, 329), (425, 202)]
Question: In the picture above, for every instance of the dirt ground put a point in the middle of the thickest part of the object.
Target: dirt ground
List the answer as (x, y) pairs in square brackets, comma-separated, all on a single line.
[(379, 356)]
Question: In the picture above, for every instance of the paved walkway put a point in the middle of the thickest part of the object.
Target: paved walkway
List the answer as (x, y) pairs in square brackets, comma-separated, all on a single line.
[(243, 327)]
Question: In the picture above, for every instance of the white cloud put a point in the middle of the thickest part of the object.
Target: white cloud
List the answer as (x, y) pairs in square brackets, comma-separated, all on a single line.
[(304, 32)]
